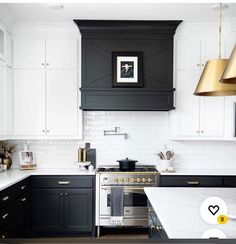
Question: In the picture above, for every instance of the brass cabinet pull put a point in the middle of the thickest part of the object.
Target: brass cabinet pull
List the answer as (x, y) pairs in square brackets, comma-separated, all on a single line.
[(63, 182), (157, 228), (125, 188), (134, 188), (193, 182), (5, 216), (24, 199), (23, 187), (5, 198)]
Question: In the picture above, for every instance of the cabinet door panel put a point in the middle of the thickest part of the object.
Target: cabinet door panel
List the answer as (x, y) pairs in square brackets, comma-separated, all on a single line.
[(8, 50), (47, 211), (187, 105), (29, 102), (78, 210), (212, 116), (3, 112), (62, 103), (61, 54), (188, 54), (29, 53)]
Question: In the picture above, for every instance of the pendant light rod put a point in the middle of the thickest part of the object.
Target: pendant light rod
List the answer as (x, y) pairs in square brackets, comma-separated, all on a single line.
[(220, 30)]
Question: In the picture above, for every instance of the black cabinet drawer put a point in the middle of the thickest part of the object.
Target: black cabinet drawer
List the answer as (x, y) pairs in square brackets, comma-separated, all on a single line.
[(191, 181), (12, 192), (6, 214), (63, 181), (230, 181)]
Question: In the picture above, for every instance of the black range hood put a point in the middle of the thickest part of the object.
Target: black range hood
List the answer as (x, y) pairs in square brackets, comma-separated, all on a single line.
[(154, 39)]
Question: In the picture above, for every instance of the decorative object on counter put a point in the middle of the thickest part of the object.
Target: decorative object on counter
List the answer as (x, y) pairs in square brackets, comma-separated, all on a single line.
[(127, 69), (5, 154), (229, 75), (115, 132), (166, 159), (82, 166), (86, 156), (127, 164), (27, 159), (209, 83)]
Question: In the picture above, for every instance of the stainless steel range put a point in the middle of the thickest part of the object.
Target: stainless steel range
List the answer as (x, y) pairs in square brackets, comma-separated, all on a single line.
[(135, 200)]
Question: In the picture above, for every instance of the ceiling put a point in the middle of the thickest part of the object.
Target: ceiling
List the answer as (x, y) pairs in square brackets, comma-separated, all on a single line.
[(191, 12)]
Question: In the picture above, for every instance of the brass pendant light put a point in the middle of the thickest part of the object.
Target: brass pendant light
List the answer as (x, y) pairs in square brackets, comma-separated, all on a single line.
[(229, 75), (209, 83)]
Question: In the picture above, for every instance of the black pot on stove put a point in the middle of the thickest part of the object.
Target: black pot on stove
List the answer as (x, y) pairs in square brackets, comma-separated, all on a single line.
[(127, 164)]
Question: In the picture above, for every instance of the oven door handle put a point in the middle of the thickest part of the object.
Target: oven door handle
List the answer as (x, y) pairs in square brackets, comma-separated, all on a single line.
[(125, 188)]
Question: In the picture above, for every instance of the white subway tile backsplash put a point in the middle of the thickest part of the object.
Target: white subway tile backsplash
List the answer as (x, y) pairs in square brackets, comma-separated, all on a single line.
[(147, 131)]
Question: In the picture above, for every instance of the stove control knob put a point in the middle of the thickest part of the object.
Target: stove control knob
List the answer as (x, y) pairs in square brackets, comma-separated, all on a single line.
[(116, 180), (127, 180), (143, 180), (149, 180), (138, 180), (131, 180), (121, 179)]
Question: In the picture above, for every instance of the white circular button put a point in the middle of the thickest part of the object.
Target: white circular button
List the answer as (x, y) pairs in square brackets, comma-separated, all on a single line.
[(213, 234), (212, 208)]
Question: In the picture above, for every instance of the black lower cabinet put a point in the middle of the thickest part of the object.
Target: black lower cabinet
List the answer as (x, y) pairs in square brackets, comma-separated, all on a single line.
[(14, 211), (67, 209), (47, 211), (78, 210), (156, 230)]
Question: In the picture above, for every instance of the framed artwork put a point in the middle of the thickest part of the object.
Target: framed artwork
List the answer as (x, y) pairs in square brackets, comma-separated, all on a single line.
[(27, 160), (127, 69)]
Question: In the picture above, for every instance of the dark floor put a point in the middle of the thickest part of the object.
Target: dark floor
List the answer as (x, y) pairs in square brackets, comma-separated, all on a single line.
[(124, 233)]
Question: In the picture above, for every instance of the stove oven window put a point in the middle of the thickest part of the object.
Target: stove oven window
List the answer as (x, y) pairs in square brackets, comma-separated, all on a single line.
[(131, 199)]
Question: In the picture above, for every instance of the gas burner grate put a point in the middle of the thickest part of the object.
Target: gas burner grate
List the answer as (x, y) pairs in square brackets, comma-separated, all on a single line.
[(138, 169)]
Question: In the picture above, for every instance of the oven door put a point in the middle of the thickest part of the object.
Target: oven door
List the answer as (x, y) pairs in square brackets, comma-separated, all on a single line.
[(135, 202)]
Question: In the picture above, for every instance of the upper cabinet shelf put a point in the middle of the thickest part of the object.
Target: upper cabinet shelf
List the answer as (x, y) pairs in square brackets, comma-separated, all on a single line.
[(154, 39)]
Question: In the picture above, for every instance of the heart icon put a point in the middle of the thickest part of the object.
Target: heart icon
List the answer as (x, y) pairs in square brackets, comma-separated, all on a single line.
[(214, 209)]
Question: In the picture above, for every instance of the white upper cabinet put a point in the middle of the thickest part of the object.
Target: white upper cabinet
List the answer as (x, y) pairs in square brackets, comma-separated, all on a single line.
[(46, 89), (29, 102), (8, 50), (61, 54), (2, 42), (41, 54), (62, 109), (3, 124), (188, 54), (187, 105), (212, 116), (195, 117), (5, 100), (29, 53)]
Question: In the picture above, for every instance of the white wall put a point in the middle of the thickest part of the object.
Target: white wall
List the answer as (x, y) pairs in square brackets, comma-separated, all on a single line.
[(147, 131)]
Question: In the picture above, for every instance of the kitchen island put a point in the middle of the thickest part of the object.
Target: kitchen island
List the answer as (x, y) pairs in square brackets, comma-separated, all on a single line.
[(178, 210)]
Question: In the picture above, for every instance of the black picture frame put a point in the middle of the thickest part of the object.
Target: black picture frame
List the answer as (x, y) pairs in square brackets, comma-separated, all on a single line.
[(127, 69)]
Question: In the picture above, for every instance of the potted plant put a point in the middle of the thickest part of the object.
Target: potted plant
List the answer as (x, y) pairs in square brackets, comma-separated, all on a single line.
[(5, 154)]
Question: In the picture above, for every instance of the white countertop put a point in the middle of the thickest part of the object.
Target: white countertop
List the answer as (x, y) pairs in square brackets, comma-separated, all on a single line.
[(213, 172), (12, 176), (178, 209)]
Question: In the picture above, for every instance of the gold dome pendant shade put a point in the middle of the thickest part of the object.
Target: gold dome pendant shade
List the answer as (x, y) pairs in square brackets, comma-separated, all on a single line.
[(209, 83), (229, 75)]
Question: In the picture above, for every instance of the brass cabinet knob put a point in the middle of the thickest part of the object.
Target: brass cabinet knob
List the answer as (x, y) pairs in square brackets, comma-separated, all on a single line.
[(5, 198)]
